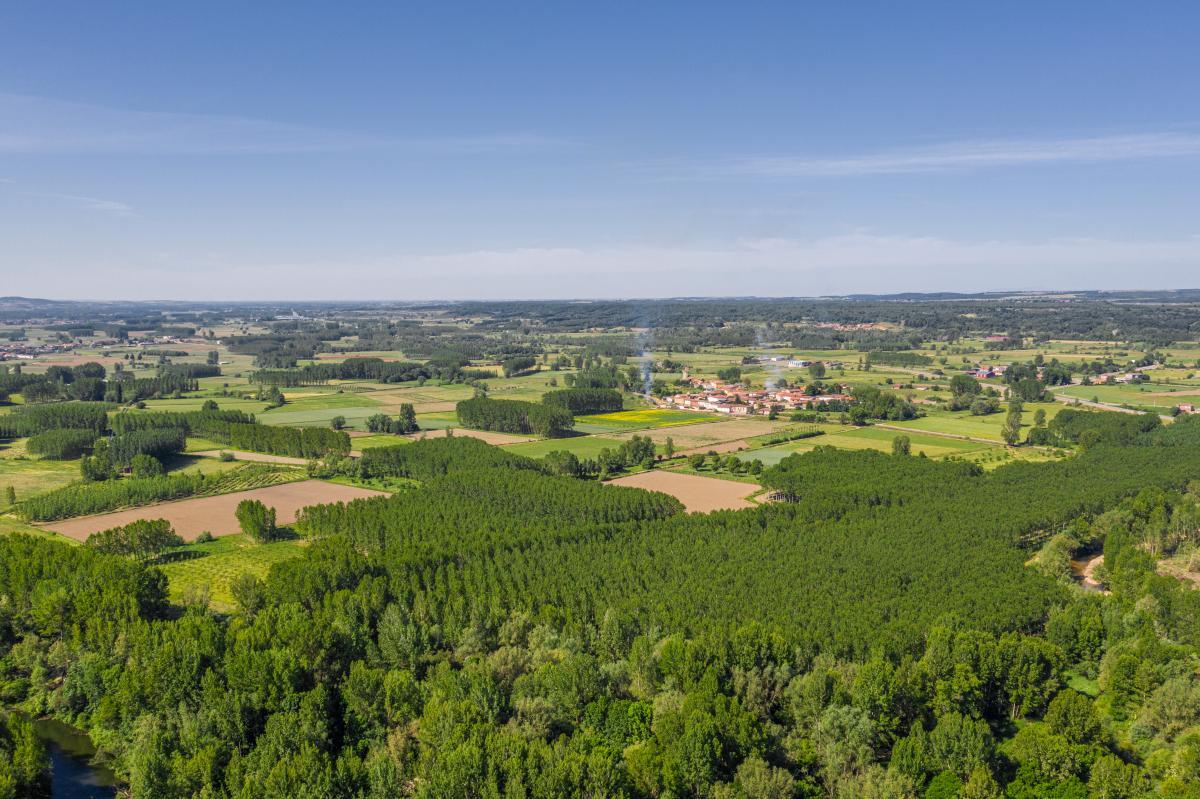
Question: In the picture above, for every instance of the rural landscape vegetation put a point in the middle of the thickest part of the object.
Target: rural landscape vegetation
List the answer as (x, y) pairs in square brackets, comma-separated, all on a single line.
[(878, 547), (599, 400)]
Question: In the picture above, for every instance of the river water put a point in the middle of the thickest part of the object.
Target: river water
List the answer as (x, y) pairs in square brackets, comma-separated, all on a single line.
[(72, 772)]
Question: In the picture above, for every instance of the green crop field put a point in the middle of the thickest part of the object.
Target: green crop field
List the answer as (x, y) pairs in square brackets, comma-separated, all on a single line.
[(356, 418), (582, 446), (308, 401), (365, 442), (212, 566), (869, 438), (1147, 395), (438, 420), (29, 475), (962, 423), (194, 403)]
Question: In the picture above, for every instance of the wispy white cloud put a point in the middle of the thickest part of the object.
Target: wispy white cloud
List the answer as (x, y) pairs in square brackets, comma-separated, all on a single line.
[(860, 262), (39, 125), (963, 155), (111, 207)]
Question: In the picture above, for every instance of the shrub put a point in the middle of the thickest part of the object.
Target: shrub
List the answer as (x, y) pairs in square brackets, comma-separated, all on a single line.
[(143, 466), (143, 539), (256, 520)]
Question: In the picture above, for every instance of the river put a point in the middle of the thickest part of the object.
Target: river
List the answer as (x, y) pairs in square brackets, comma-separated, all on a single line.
[(72, 772)]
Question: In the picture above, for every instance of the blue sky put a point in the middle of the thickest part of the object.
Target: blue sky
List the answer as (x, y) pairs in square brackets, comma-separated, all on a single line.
[(448, 150)]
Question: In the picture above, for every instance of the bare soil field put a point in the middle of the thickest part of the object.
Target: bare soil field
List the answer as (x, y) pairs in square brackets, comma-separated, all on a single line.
[(698, 494), (707, 433), (190, 517), (499, 439)]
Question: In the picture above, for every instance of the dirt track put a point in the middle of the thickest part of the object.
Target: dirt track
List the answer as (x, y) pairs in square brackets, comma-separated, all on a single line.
[(697, 493), (190, 517)]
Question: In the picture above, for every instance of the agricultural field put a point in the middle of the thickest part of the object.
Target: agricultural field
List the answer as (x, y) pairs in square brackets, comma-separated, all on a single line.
[(962, 423), (194, 403), (29, 475), (580, 446), (359, 443), (207, 569), (705, 433), (1147, 396), (215, 514), (491, 437), (643, 418), (698, 494), (876, 438)]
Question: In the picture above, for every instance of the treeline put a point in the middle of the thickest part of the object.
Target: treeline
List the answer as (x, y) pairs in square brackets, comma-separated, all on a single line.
[(897, 358), (126, 388), (239, 431), (433, 457), (375, 369), (580, 401), (64, 444), (515, 416), (191, 421), (103, 495), (82, 499), (157, 443), (1089, 428), (33, 419), (871, 402), (142, 538)]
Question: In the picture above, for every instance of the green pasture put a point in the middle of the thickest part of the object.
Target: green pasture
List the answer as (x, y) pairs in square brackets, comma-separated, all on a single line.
[(10, 525), (366, 442), (194, 403), (1145, 395), (962, 423), (313, 401), (437, 420), (581, 446), (356, 417), (868, 438), (29, 475), (214, 565)]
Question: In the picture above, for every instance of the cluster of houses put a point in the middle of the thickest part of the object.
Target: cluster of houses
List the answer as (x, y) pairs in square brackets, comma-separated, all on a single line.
[(25, 351), (738, 400), (28, 351), (1122, 377), (796, 363)]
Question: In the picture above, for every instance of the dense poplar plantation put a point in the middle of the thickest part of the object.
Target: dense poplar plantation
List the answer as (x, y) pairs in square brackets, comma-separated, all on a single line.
[(194, 422), (350, 369), (132, 389), (81, 499), (239, 431), (160, 443), (32, 419), (581, 401), (1090, 427), (433, 457), (64, 444), (515, 416), (499, 632)]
